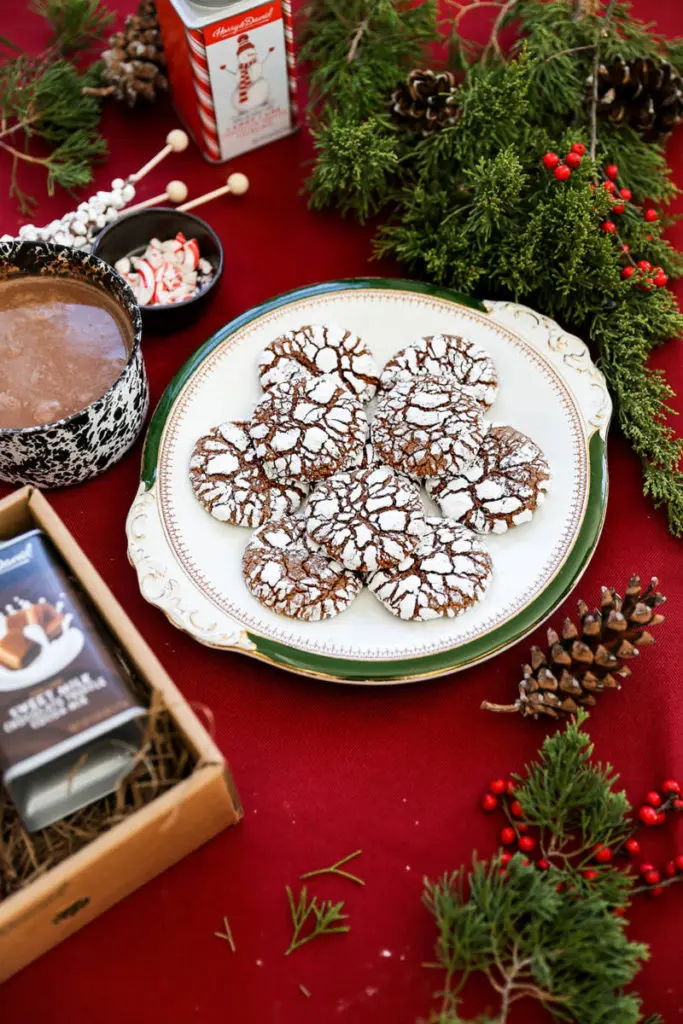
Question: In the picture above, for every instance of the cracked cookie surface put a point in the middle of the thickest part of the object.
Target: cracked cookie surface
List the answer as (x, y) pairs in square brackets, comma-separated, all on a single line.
[(361, 459), (318, 349), (229, 482), (307, 427), (446, 355), (426, 426), (286, 575), (448, 572), (367, 518), (502, 488)]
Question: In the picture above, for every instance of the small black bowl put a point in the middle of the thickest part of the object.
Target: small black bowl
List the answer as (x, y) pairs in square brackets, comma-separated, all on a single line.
[(129, 236)]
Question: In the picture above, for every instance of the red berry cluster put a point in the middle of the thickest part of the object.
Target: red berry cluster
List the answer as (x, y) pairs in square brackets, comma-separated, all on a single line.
[(651, 277), (653, 878), (497, 788), (653, 812), (562, 170), (658, 803), (621, 196), (646, 275), (514, 834)]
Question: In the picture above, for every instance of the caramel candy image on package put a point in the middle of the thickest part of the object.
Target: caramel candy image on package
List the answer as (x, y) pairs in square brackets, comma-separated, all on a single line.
[(16, 650), (69, 720)]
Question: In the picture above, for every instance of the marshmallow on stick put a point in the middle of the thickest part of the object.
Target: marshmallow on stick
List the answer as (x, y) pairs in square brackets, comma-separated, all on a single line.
[(79, 227)]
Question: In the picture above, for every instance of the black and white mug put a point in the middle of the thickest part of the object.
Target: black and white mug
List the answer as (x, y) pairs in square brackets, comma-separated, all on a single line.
[(83, 445)]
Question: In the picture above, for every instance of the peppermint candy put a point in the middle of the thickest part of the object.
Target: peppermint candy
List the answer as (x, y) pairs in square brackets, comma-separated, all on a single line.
[(167, 272)]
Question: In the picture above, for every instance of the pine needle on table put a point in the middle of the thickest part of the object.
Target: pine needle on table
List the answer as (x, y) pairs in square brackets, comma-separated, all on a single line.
[(337, 869), (325, 917)]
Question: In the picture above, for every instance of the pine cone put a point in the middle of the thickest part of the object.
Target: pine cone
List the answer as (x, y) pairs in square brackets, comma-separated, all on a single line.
[(643, 93), (586, 8), (583, 661), (426, 101), (134, 64)]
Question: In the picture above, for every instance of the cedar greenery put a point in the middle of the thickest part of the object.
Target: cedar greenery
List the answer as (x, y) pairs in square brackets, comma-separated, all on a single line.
[(76, 24), (324, 916), (547, 935), (358, 53), (51, 99), (473, 208)]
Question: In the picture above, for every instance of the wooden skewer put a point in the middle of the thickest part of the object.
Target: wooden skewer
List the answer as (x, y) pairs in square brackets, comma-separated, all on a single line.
[(176, 142), (176, 192), (237, 184)]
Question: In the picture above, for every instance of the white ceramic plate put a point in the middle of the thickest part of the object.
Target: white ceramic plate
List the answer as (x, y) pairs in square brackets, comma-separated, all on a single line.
[(188, 564)]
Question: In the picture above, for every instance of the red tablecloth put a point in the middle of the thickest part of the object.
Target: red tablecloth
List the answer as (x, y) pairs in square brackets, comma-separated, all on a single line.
[(325, 769)]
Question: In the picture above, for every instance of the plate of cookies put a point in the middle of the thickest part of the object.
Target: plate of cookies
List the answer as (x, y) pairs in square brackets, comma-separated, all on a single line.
[(373, 481)]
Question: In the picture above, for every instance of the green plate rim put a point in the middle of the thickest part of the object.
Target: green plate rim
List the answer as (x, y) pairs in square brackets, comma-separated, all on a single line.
[(348, 670)]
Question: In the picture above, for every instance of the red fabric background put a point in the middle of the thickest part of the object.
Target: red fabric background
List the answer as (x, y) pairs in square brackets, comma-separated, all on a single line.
[(324, 769)]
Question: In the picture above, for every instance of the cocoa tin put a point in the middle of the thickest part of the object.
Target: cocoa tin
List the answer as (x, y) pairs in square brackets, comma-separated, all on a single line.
[(231, 70), (69, 721)]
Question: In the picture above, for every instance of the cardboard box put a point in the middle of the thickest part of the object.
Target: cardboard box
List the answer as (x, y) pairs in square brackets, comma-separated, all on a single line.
[(79, 889)]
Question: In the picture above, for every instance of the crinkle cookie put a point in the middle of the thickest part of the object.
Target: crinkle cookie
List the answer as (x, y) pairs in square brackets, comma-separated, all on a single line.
[(321, 349), (502, 488), (367, 456), (284, 574), (367, 518), (426, 426), (229, 481), (446, 355), (448, 573), (307, 427)]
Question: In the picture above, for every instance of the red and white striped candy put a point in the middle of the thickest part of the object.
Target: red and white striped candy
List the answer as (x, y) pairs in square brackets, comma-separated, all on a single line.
[(146, 282), (191, 251), (167, 272)]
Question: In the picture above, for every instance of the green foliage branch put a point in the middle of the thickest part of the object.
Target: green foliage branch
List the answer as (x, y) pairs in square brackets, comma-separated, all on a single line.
[(551, 936), (51, 99), (473, 208)]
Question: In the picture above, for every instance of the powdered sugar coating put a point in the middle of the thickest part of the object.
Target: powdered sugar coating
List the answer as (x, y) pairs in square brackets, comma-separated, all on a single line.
[(307, 427), (229, 482), (446, 355), (502, 488), (426, 426), (321, 349), (285, 574), (448, 573), (366, 519), (362, 459)]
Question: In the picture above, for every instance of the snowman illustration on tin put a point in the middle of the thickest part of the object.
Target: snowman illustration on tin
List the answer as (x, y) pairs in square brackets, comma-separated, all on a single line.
[(251, 89)]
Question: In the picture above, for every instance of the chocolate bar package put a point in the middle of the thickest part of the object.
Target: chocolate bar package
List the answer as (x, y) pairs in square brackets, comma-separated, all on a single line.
[(70, 724)]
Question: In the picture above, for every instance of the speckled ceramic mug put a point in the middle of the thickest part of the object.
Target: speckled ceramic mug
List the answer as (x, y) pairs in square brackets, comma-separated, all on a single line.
[(82, 445)]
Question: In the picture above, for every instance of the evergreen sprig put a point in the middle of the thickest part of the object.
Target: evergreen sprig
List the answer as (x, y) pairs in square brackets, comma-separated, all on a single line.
[(76, 24), (323, 916), (50, 98), (547, 935), (571, 799), (472, 207), (358, 50), (358, 162)]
